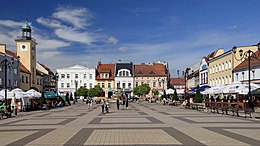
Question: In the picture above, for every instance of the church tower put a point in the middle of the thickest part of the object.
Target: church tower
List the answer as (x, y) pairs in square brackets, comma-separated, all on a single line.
[(26, 49)]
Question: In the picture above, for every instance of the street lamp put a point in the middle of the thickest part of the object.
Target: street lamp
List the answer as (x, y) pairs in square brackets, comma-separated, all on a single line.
[(247, 55), (8, 64), (162, 80), (185, 73)]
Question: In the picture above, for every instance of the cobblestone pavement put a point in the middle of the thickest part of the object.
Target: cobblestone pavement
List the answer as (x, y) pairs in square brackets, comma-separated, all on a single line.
[(143, 124)]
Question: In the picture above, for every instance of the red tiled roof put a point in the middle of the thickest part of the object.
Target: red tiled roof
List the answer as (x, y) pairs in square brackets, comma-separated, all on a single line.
[(253, 62), (105, 68), (150, 70), (177, 81)]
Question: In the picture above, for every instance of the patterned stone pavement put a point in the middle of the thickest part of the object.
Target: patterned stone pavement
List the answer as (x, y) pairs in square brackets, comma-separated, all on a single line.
[(143, 124)]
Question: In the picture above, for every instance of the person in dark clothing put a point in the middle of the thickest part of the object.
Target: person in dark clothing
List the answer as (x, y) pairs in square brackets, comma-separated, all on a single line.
[(126, 103), (117, 103)]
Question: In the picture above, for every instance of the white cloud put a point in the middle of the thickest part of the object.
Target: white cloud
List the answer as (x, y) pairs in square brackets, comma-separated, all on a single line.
[(122, 49), (112, 40), (233, 27), (78, 17), (50, 23), (10, 23), (76, 36)]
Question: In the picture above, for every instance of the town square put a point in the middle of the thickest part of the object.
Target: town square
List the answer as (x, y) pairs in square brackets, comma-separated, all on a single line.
[(129, 73)]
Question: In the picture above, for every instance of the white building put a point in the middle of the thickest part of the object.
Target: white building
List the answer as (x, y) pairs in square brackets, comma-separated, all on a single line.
[(74, 77), (240, 73), (124, 77)]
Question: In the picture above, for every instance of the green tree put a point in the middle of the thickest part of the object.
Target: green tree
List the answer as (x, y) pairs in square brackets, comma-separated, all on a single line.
[(175, 96), (155, 92), (198, 96), (82, 91), (96, 91), (142, 89), (42, 100)]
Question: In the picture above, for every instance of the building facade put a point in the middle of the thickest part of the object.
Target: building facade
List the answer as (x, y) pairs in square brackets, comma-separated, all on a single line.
[(155, 75), (9, 69), (124, 77), (240, 72), (105, 78), (220, 67), (71, 78)]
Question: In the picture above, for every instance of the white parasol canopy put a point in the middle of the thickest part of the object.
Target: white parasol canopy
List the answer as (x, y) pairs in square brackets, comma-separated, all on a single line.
[(170, 91), (34, 93)]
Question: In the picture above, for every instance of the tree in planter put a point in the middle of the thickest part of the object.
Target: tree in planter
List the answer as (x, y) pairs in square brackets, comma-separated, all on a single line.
[(82, 91), (142, 89), (96, 91), (42, 100), (67, 98), (175, 96), (198, 96)]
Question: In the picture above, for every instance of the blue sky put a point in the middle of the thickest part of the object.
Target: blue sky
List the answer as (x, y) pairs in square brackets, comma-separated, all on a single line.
[(180, 32)]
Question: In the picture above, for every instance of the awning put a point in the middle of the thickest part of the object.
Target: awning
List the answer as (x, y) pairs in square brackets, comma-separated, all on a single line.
[(51, 94), (256, 92)]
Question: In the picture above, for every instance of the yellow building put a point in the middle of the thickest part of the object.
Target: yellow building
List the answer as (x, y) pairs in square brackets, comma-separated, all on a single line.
[(220, 67), (105, 78)]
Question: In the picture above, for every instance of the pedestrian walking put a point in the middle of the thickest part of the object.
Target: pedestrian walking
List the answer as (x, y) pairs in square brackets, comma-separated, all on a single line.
[(117, 103), (107, 106), (126, 103), (102, 105)]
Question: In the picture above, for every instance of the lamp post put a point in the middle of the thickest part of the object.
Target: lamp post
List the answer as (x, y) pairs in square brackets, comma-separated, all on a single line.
[(249, 54), (162, 80), (185, 73), (8, 64)]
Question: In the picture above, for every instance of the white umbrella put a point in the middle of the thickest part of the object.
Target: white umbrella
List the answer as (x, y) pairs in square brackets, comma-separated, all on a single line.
[(34, 93), (170, 91)]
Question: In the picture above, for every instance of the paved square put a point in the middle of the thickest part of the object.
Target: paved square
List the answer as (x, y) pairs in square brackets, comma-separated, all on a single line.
[(125, 120), (130, 137)]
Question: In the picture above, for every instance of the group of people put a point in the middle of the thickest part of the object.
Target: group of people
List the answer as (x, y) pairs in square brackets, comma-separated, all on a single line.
[(124, 102), (104, 106)]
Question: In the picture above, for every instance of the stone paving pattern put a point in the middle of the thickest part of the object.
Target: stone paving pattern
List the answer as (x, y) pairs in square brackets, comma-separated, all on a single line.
[(143, 124)]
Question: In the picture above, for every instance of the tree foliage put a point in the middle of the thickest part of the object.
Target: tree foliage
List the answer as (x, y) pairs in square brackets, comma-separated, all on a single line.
[(42, 100), (96, 91), (155, 92), (82, 91), (175, 96), (198, 96), (142, 89)]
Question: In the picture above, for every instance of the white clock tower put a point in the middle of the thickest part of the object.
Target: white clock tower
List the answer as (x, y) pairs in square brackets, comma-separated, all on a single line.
[(26, 49)]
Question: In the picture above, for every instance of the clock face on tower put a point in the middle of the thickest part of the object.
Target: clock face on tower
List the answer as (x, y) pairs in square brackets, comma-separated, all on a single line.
[(23, 47)]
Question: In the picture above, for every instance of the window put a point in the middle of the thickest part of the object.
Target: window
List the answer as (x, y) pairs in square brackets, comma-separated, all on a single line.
[(223, 66), (62, 85), (210, 70), (90, 76), (160, 84), (123, 85), (118, 85), (127, 74), (15, 83), (216, 68), (103, 85), (226, 66), (85, 85), (76, 76), (26, 79), (99, 84), (85, 76), (22, 79), (1, 81), (90, 85), (236, 76), (142, 83), (229, 64), (68, 76), (0, 68), (129, 85), (243, 73), (62, 76), (68, 85), (136, 84), (109, 85), (154, 84)]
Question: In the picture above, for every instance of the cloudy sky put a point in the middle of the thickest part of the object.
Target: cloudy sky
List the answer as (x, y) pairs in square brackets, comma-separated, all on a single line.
[(180, 32)]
